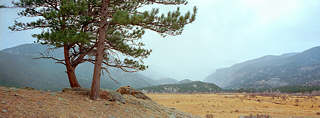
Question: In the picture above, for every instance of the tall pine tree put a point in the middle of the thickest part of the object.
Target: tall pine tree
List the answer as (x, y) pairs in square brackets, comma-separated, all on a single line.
[(127, 18)]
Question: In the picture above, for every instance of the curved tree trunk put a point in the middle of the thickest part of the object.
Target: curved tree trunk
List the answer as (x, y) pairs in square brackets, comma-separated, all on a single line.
[(70, 69), (95, 87)]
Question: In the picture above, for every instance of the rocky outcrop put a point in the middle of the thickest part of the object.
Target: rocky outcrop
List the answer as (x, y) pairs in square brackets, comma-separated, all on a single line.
[(130, 91), (112, 96)]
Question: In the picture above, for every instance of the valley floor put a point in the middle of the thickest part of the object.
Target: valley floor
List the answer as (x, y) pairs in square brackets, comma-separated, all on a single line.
[(236, 105)]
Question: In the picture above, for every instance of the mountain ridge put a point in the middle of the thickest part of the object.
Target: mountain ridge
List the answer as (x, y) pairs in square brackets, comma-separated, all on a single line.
[(271, 71)]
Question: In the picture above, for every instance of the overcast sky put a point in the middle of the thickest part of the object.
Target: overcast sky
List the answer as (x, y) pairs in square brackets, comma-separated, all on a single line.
[(225, 32)]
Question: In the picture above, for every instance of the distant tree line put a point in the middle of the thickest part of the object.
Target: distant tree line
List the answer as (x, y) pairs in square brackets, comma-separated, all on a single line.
[(192, 87)]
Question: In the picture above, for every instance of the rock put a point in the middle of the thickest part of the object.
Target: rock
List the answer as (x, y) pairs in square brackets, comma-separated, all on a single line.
[(60, 99), (110, 116), (18, 95), (40, 104), (130, 91), (4, 110), (134, 102), (92, 109), (28, 88), (106, 103), (80, 91), (172, 116), (13, 89), (118, 102), (53, 93), (112, 96)]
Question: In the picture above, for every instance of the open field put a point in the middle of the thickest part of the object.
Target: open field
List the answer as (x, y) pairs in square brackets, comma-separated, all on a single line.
[(235, 105)]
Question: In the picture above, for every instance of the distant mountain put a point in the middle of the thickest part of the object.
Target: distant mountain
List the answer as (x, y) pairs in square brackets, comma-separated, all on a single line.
[(163, 81), (185, 81), (33, 50), (17, 68), (20, 71), (191, 87), (272, 71), (158, 77), (153, 73)]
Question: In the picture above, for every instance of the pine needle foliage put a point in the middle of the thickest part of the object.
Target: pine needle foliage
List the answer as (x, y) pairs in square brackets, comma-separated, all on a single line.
[(75, 23)]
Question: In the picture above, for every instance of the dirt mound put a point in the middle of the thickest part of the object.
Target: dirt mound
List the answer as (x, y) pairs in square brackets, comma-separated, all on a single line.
[(74, 103)]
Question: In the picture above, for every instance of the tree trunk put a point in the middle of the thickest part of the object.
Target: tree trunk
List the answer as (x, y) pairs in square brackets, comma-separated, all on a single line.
[(95, 87), (70, 69)]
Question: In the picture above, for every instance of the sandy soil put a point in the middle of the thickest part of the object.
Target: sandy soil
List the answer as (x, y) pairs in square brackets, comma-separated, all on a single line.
[(235, 105), (23, 103)]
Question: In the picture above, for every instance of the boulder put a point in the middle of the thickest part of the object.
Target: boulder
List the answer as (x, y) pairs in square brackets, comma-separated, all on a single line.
[(131, 91), (112, 96)]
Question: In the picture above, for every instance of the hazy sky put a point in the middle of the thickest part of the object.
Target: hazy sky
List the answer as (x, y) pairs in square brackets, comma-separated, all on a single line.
[(225, 32)]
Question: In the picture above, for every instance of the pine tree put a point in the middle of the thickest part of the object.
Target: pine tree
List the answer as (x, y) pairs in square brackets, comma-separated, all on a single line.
[(125, 16), (79, 25)]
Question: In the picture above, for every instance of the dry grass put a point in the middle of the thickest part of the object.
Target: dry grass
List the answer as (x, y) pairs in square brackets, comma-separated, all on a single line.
[(235, 105)]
